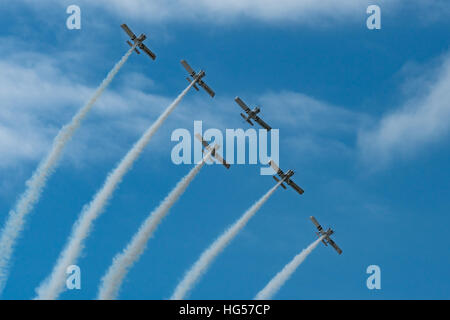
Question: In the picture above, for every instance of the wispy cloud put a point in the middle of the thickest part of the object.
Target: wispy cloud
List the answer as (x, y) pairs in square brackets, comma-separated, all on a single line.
[(38, 97), (421, 120), (311, 125), (36, 83), (229, 11)]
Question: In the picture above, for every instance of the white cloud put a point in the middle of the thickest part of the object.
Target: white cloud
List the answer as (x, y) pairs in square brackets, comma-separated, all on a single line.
[(38, 98), (26, 98), (226, 11), (422, 120), (308, 113), (310, 126)]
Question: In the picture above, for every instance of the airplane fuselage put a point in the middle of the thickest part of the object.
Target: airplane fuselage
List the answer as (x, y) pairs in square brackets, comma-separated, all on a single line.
[(288, 174), (140, 39), (325, 234), (137, 41), (253, 113), (285, 176), (199, 75)]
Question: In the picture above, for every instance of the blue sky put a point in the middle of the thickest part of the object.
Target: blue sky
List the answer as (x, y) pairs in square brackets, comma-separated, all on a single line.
[(363, 118)]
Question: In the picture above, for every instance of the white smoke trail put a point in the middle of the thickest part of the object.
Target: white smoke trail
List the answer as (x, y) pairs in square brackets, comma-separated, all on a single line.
[(277, 282), (208, 256), (54, 285), (34, 186), (122, 262)]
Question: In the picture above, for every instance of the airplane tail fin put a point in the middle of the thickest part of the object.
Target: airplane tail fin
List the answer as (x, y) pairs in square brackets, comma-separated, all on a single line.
[(195, 85), (131, 45), (213, 153), (278, 180), (246, 118), (323, 240)]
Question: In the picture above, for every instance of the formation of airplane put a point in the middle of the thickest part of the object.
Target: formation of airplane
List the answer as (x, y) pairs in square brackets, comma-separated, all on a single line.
[(197, 78), (251, 114), (285, 177), (326, 240), (214, 151), (138, 41)]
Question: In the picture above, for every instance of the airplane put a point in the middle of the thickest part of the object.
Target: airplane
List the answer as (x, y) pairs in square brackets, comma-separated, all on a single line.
[(213, 153), (197, 78), (285, 177), (251, 114), (326, 240), (138, 41)]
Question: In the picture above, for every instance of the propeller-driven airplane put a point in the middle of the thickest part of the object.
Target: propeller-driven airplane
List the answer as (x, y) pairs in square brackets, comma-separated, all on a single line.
[(285, 177), (214, 151), (251, 114), (197, 78), (326, 240), (138, 41)]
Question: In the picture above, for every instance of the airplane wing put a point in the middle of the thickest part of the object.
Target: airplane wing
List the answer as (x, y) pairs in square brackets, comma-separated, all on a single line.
[(242, 104), (207, 89), (188, 67), (128, 31), (334, 245), (262, 123), (147, 51), (275, 167), (295, 186), (316, 223), (215, 154)]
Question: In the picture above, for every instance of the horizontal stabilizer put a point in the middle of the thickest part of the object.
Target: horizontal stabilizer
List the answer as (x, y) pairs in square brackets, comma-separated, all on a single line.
[(195, 85), (277, 180), (214, 152), (246, 118), (131, 45)]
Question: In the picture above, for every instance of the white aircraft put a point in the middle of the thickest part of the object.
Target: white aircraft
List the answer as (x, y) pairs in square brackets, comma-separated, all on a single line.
[(251, 114), (326, 240), (285, 177), (214, 151), (138, 41), (197, 78)]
